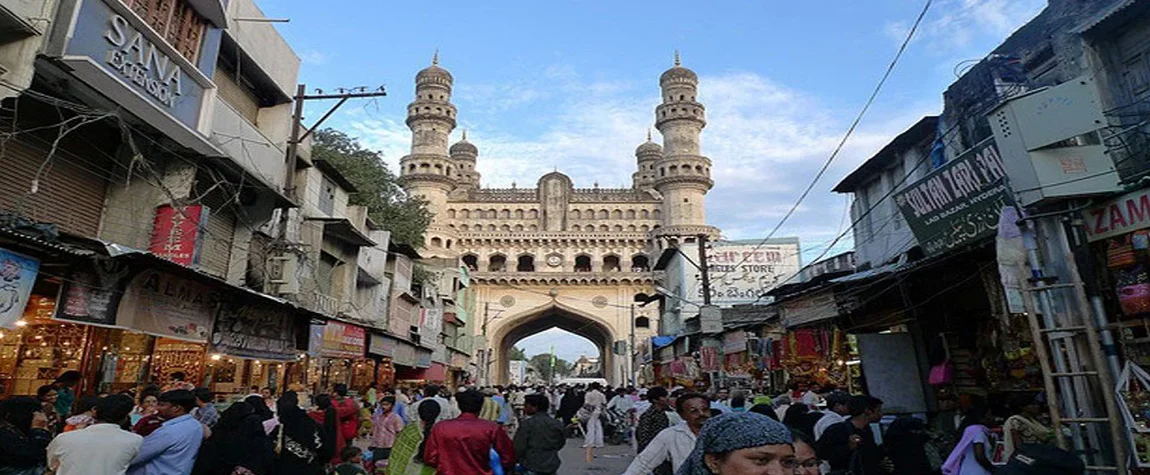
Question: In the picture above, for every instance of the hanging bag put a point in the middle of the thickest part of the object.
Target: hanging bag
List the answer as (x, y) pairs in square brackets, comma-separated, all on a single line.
[(942, 373)]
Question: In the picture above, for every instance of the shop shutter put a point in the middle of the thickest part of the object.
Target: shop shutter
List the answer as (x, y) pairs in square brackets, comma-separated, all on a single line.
[(71, 192), (217, 249)]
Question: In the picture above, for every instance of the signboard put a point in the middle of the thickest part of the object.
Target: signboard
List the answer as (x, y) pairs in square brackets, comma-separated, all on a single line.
[(92, 292), (337, 340), (128, 51), (431, 321), (422, 358), (709, 359), (518, 370), (742, 271), (711, 319), (17, 275), (177, 233), (162, 304), (254, 331), (381, 345), (1121, 215), (958, 203), (404, 354), (734, 342), (810, 309)]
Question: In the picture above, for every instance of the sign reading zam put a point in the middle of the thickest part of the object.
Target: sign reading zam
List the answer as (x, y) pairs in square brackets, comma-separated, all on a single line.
[(958, 203)]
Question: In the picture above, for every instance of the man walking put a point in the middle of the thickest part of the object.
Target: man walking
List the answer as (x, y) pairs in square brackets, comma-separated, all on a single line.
[(431, 393), (102, 448), (838, 410), (842, 442), (540, 438), (462, 446), (652, 422), (675, 443), (171, 448)]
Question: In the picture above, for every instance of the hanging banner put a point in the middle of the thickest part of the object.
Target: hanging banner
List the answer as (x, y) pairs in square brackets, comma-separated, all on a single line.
[(709, 359), (163, 304), (381, 345), (93, 292), (254, 331), (959, 202), (177, 233), (17, 274), (337, 340)]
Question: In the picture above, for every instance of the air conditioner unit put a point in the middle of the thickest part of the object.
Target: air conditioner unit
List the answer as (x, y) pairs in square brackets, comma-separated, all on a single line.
[(1050, 145), (284, 269)]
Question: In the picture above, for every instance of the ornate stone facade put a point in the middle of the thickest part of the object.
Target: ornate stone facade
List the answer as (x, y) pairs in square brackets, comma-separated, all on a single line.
[(556, 255)]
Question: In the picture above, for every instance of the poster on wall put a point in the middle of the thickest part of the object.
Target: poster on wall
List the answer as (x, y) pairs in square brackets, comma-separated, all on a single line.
[(743, 271), (162, 304), (17, 275), (337, 340), (254, 331), (93, 292)]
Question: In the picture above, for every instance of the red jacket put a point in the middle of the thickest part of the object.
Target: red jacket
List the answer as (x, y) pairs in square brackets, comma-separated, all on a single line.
[(462, 446), (348, 413)]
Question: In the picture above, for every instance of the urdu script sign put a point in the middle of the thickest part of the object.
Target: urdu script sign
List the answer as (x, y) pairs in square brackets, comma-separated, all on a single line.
[(958, 203)]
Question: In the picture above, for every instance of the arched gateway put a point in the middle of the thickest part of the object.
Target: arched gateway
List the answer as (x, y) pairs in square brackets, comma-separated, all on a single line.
[(547, 316)]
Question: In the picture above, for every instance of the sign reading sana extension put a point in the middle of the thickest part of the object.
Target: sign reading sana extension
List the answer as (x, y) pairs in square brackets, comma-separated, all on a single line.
[(958, 203)]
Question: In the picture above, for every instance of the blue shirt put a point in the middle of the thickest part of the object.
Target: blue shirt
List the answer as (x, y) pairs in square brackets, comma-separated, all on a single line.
[(504, 411), (171, 449)]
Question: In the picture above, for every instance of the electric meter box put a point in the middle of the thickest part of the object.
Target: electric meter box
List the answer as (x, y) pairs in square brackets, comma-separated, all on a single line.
[(1050, 144)]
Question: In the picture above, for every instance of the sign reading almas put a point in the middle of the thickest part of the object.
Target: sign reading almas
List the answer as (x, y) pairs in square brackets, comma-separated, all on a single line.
[(958, 203), (140, 63)]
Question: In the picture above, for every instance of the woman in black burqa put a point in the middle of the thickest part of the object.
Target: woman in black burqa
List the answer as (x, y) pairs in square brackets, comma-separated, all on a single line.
[(238, 445), (298, 441)]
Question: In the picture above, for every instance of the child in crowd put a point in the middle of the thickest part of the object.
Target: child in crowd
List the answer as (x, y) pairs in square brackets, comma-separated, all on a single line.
[(352, 464)]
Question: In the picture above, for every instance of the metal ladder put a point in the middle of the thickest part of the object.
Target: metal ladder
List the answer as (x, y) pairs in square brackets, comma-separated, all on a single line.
[(1078, 383)]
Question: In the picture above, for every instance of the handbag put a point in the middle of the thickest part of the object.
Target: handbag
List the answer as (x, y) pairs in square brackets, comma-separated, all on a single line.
[(941, 374)]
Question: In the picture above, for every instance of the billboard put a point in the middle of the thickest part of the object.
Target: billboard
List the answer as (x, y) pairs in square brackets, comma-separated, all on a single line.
[(742, 271)]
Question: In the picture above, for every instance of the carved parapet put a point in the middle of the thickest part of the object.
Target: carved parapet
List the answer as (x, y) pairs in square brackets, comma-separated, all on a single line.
[(564, 278)]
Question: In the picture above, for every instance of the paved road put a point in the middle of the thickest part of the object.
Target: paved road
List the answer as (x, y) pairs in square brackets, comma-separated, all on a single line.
[(609, 460)]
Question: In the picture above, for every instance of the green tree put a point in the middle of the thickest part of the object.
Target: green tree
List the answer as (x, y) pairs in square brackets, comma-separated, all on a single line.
[(517, 354), (405, 216), (542, 365)]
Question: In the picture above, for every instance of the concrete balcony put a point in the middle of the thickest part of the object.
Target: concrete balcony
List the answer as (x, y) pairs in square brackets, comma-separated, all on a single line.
[(247, 145)]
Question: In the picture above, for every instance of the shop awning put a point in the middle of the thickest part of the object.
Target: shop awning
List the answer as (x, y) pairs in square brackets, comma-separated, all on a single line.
[(343, 229)]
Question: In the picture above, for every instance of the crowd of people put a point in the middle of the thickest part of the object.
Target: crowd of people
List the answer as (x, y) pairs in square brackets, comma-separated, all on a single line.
[(182, 429)]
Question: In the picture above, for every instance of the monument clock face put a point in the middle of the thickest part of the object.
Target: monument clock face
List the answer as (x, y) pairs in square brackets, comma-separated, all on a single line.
[(554, 260)]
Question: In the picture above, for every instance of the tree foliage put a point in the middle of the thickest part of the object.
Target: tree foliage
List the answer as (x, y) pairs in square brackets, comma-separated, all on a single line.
[(542, 365), (405, 216), (517, 354)]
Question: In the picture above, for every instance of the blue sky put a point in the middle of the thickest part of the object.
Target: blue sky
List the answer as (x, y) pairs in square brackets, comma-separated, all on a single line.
[(573, 85)]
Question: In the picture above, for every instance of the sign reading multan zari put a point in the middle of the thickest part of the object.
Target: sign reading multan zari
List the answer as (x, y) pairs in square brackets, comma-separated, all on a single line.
[(958, 203)]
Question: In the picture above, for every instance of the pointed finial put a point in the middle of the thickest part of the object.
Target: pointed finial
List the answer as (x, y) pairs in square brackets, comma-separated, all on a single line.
[(677, 61), (465, 134), (435, 57), (648, 134)]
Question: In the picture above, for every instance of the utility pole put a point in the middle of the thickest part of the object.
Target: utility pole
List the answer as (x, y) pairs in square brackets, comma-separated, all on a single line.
[(704, 268), (484, 355), (631, 351), (297, 122)]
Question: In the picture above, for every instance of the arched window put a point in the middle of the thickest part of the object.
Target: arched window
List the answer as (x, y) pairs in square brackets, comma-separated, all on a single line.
[(533, 214), (464, 214), (611, 263), (658, 214), (451, 213), (472, 262), (631, 228), (436, 242), (505, 214), (490, 227), (644, 228), (518, 214), (497, 263), (642, 322), (505, 227), (575, 228), (575, 214), (582, 263), (646, 214), (491, 213), (526, 263), (630, 214), (640, 263), (617, 214), (464, 227), (602, 214), (518, 227), (447, 244), (589, 214), (533, 228), (604, 228), (618, 228)]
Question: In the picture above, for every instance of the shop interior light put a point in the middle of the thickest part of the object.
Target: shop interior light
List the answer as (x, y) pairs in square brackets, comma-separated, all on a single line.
[(21, 322), (217, 357), (1, 335), (39, 337), (854, 362)]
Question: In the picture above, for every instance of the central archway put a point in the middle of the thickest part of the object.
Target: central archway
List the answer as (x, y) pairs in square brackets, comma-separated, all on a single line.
[(553, 315)]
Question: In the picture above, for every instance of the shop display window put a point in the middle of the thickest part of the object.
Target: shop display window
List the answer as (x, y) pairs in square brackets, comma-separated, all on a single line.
[(38, 349)]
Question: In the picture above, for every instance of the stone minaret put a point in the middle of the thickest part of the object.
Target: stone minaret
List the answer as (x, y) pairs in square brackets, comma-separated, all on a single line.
[(683, 175), (428, 171), (464, 154), (647, 155)]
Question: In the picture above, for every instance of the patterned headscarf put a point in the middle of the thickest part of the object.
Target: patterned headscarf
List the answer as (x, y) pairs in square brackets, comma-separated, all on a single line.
[(733, 431)]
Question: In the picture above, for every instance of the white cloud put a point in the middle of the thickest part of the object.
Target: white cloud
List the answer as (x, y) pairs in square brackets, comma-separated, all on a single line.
[(766, 140), (313, 57), (953, 24)]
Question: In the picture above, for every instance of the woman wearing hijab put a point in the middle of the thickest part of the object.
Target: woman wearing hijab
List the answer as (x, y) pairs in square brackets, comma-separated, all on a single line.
[(328, 420), (407, 453), (24, 435), (299, 446), (742, 443), (238, 445)]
